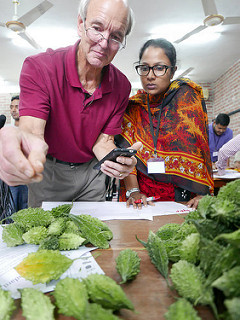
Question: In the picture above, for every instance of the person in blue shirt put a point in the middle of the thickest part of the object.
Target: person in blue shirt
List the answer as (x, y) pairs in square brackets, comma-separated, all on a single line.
[(219, 134), (20, 192)]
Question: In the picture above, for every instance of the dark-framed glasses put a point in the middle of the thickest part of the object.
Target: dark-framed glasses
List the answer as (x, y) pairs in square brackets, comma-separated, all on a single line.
[(113, 41), (158, 70)]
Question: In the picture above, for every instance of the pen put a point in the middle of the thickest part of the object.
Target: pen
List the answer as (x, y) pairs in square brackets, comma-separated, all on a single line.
[(148, 199)]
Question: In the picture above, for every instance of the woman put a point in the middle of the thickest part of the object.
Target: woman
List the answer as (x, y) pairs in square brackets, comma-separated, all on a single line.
[(170, 119)]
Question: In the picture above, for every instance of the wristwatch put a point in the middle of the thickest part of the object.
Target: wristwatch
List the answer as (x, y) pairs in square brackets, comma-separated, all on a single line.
[(128, 193)]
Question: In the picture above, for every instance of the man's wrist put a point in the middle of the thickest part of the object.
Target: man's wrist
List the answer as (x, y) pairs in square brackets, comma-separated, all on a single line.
[(130, 191)]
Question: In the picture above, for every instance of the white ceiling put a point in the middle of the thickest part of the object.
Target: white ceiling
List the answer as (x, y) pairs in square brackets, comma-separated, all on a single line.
[(209, 60)]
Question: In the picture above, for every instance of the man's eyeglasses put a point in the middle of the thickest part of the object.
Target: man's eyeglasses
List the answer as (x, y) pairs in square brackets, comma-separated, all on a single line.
[(158, 70), (96, 36)]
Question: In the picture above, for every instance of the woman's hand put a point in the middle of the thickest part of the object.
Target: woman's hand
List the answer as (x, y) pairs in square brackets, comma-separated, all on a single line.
[(138, 196), (193, 203)]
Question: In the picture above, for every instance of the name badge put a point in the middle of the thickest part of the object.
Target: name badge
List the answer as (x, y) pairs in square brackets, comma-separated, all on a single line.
[(215, 153), (156, 165)]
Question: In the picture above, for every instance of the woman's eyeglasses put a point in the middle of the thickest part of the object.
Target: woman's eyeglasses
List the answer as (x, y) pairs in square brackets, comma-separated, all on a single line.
[(158, 70)]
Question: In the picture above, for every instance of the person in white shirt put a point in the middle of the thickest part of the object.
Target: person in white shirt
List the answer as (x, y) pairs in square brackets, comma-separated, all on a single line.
[(228, 150)]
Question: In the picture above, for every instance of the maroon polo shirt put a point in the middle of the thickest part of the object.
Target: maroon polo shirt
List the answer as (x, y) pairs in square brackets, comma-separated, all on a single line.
[(51, 90)]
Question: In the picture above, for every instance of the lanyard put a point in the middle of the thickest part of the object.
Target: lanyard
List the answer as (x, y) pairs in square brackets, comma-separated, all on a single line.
[(154, 136)]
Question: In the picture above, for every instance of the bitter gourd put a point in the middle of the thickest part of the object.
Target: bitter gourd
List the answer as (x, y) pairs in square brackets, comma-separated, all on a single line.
[(91, 231), (43, 266), (157, 253), (12, 235), (128, 264), (105, 291), (181, 310), (36, 305), (6, 305), (71, 297)]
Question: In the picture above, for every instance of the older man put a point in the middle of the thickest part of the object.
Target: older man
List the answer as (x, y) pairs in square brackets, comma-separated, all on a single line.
[(72, 104)]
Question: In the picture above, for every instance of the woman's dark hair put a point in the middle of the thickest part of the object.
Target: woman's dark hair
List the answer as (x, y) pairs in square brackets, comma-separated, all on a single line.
[(164, 44)]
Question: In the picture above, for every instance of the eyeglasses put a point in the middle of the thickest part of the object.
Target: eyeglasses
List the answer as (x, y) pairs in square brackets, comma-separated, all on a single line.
[(96, 36), (158, 70)]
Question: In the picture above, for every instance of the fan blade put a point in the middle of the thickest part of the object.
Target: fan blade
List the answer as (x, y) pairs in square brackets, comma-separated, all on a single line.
[(191, 33), (35, 13), (231, 20), (29, 39), (209, 7), (2, 24), (185, 72)]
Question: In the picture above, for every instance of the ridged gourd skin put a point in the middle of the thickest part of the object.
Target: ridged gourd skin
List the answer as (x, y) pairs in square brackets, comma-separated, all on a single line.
[(189, 281), (35, 235), (128, 265), (181, 310), (233, 309), (12, 235), (106, 292), (70, 241), (91, 231), (36, 305), (43, 266), (189, 248), (62, 210), (97, 312), (158, 254), (7, 305), (233, 238), (168, 231), (32, 217), (71, 297), (49, 243), (57, 227), (229, 283)]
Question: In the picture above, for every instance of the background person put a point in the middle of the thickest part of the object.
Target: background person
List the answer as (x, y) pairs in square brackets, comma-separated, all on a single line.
[(236, 162), (71, 105), (20, 192), (170, 119), (229, 149), (219, 134)]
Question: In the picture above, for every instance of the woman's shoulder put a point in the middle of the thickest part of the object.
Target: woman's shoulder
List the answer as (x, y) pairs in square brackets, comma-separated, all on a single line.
[(185, 84)]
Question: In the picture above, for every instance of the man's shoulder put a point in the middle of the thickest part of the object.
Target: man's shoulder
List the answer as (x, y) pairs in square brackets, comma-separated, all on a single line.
[(48, 55), (117, 77), (229, 133), (114, 70)]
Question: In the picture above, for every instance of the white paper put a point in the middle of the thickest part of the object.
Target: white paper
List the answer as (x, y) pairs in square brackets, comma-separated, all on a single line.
[(10, 257), (229, 174), (109, 210)]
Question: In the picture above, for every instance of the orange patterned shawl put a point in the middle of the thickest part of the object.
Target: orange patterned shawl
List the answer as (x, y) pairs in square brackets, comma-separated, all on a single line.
[(183, 135)]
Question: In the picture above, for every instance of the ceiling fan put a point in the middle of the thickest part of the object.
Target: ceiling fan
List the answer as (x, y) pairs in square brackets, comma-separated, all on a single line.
[(19, 24), (212, 18)]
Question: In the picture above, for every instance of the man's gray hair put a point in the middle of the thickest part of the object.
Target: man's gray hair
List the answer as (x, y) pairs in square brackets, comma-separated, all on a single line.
[(83, 6)]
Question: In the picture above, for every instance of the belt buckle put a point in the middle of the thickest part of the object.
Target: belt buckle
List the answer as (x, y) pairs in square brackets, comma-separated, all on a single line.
[(72, 165)]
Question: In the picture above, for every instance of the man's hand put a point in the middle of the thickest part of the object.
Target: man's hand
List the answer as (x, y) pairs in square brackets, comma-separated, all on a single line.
[(123, 166), (22, 156)]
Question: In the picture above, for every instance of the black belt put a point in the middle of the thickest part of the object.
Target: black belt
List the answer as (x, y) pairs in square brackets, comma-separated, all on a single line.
[(71, 164)]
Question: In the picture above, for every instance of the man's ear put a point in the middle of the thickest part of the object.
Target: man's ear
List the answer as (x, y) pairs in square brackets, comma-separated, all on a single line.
[(80, 25)]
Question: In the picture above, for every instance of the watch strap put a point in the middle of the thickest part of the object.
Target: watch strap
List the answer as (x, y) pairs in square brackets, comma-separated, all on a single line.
[(130, 191)]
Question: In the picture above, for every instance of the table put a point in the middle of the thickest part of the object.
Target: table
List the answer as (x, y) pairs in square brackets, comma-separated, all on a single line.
[(148, 292)]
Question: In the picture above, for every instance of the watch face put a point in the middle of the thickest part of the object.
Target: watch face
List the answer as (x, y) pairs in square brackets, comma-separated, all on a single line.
[(127, 194)]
